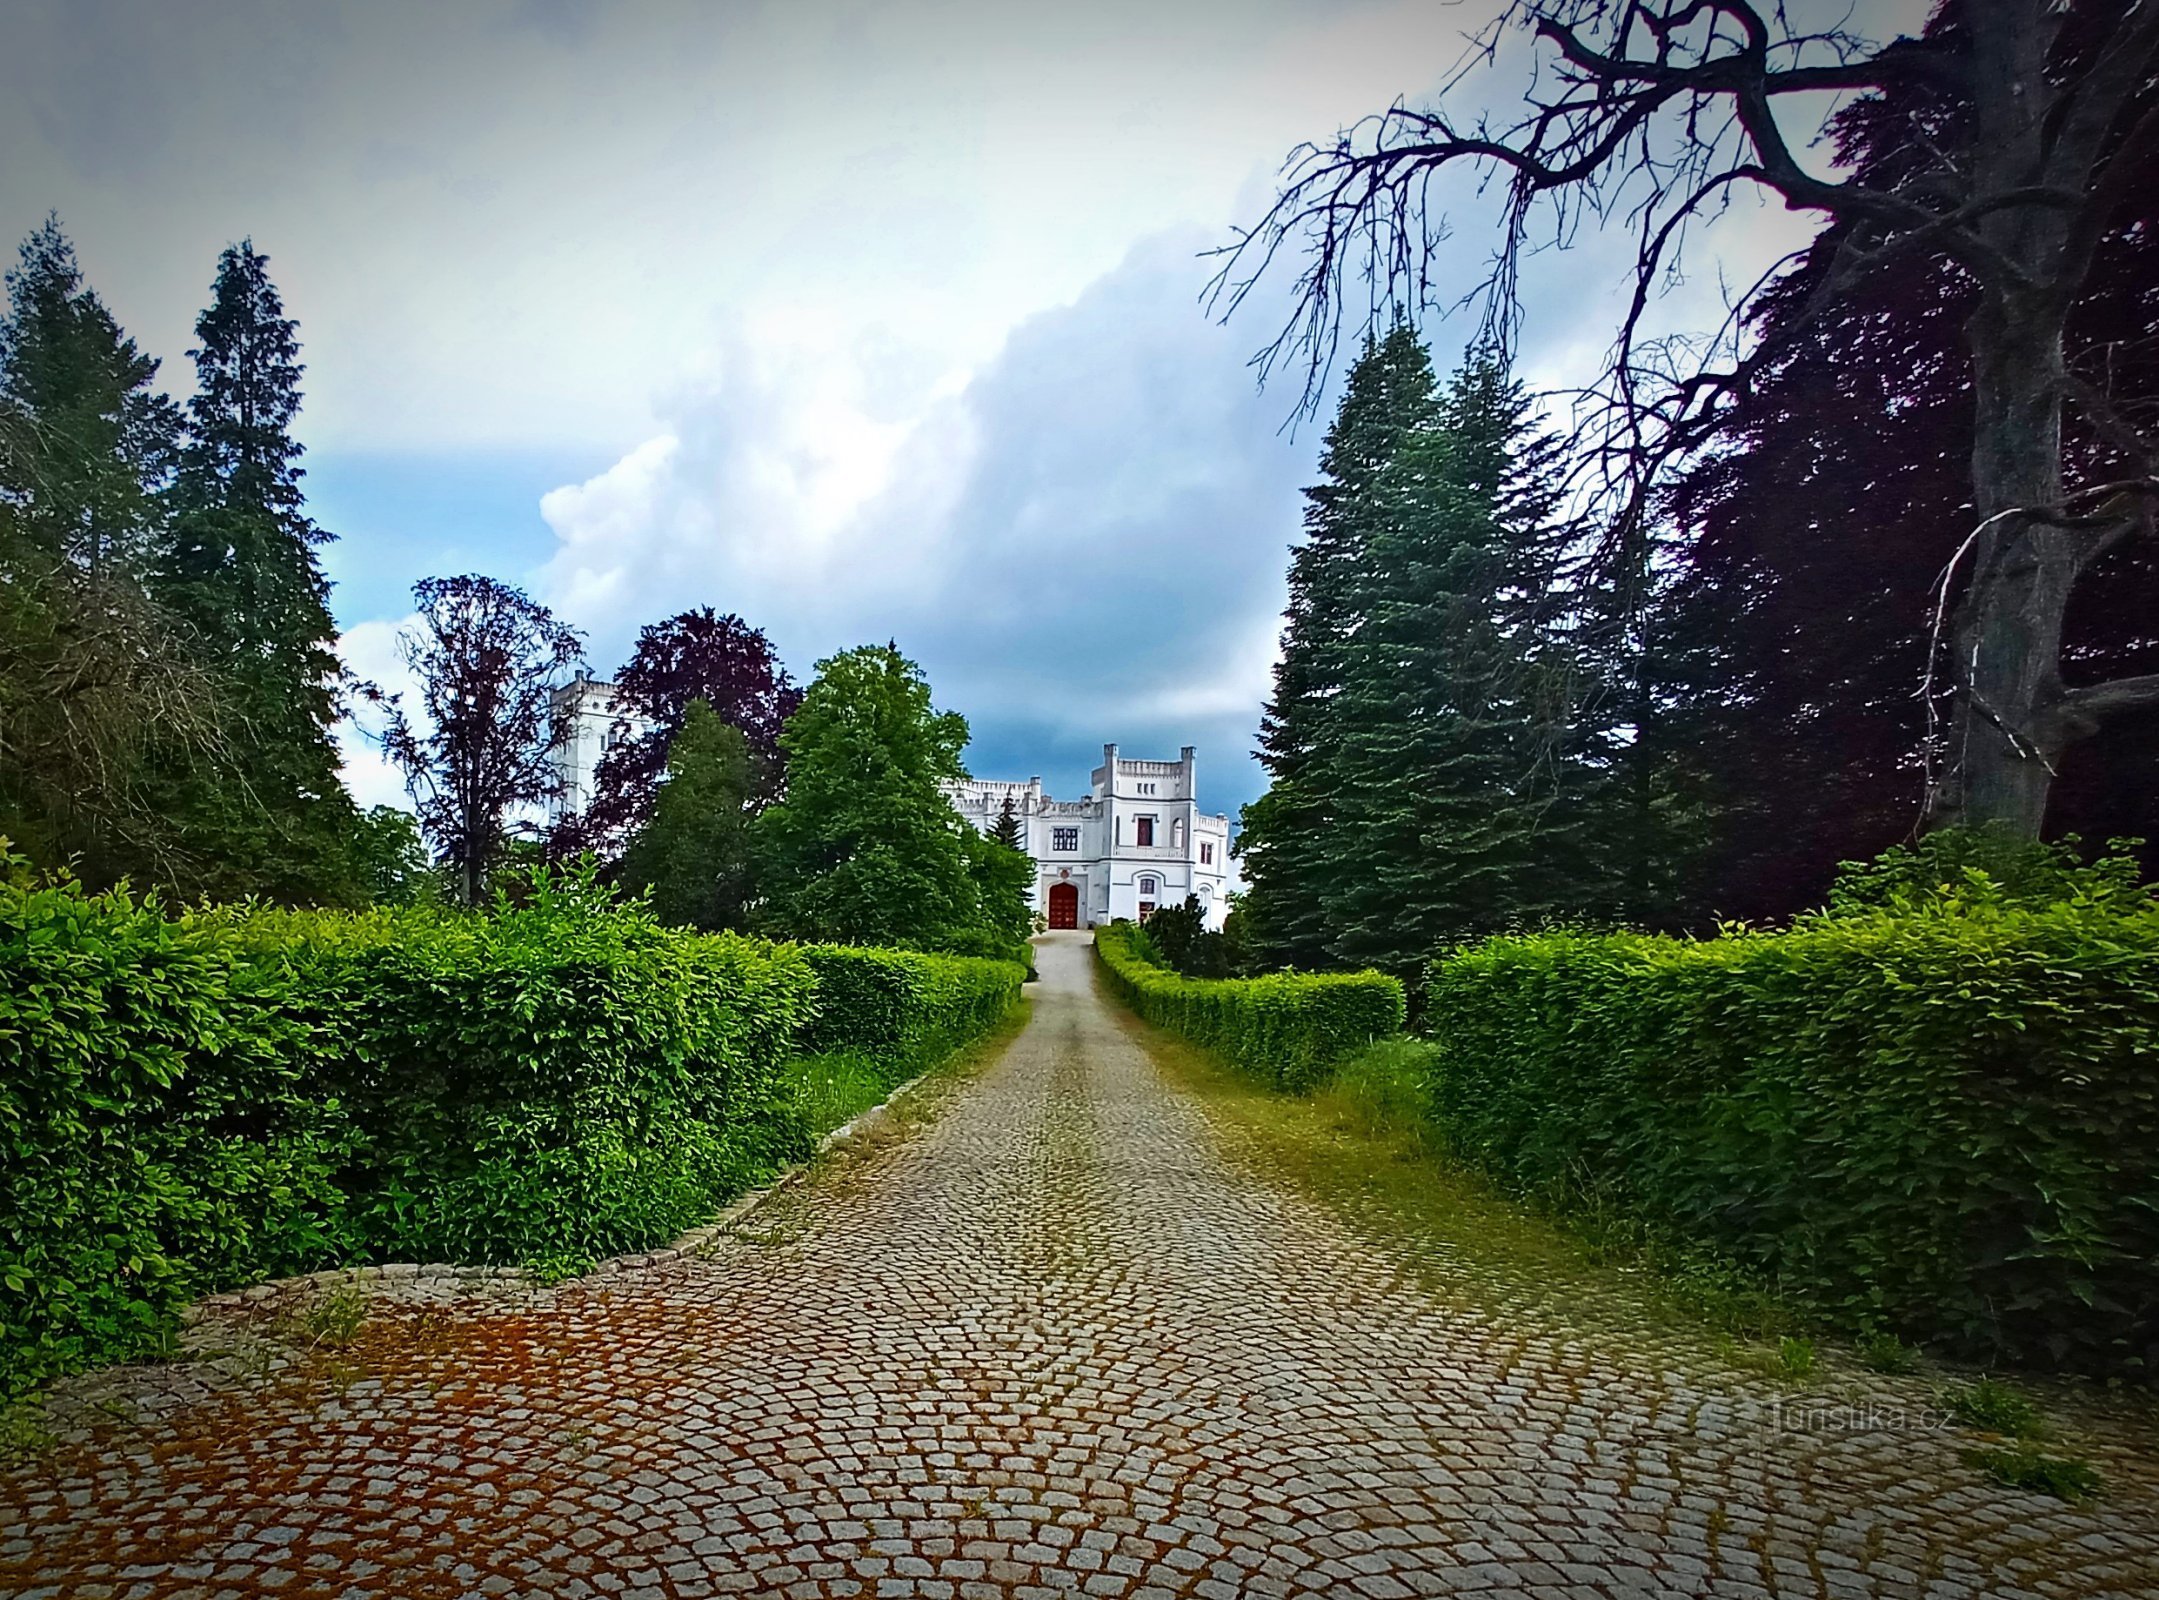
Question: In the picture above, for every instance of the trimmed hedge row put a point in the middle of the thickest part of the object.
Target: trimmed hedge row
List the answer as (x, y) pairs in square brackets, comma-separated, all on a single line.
[(161, 1134), (192, 1102), (1288, 1028), (899, 1006), (559, 1081), (1940, 1119)]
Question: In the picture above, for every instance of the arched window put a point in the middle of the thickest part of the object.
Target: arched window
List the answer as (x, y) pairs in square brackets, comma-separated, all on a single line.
[(1147, 886)]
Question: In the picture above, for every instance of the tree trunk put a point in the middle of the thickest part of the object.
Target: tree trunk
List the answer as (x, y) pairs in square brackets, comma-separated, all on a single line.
[(2007, 731), (2005, 644)]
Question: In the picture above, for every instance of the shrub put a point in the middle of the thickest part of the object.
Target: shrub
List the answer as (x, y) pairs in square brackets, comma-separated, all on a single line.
[(193, 1102), (900, 1006), (562, 1076), (1986, 866), (1939, 1118), (163, 1130), (1287, 1028), (1180, 940), (985, 944)]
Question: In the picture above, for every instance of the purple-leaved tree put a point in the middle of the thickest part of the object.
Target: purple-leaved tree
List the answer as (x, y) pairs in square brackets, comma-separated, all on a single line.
[(489, 659)]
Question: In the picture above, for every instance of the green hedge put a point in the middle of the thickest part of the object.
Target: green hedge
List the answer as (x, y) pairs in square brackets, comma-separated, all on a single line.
[(565, 1079), (1942, 1119), (898, 1006), (191, 1102), (162, 1128), (1287, 1028)]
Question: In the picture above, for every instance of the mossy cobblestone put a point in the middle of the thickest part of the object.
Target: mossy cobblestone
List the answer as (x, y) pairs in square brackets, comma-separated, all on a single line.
[(1059, 1339)]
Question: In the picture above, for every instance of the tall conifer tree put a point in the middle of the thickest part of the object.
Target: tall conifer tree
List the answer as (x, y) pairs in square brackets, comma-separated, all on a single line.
[(1286, 842), (89, 664), (84, 474), (241, 568), (1449, 722)]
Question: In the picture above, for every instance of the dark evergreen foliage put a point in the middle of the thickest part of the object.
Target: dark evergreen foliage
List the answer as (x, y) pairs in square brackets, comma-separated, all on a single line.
[(1007, 831), (1447, 755), (1284, 840), (269, 815), (1180, 937), (1436, 777), (93, 446), (91, 665)]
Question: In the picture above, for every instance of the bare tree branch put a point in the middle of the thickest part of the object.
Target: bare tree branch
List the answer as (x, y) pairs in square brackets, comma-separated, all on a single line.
[(1652, 113), (2103, 700)]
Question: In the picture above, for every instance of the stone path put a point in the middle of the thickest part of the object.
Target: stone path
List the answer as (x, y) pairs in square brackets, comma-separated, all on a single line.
[(1060, 1340)]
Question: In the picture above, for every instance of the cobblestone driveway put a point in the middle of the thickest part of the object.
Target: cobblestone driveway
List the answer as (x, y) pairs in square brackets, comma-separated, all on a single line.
[(1057, 1341)]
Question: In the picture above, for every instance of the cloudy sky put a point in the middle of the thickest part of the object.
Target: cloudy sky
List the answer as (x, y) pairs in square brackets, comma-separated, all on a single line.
[(866, 321)]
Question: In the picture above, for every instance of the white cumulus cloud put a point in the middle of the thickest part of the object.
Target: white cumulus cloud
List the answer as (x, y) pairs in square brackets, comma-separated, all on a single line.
[(1082, 540)]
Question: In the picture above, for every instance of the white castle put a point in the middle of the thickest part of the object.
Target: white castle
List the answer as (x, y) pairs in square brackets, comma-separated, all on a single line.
[(1137, 842), (596, 721)]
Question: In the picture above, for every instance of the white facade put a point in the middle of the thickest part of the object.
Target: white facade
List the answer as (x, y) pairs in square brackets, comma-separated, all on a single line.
[(593, 709), (1137, 842)]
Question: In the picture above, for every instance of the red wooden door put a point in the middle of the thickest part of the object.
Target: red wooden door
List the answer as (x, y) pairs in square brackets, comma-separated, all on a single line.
[(1064, 905)]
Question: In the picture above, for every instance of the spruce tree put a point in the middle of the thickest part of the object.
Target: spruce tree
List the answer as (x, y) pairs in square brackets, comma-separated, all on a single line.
[(86, 470), (1448, 723), (89, 662), (1007, 830), (241, 568), (694, 854), (1286, 841)]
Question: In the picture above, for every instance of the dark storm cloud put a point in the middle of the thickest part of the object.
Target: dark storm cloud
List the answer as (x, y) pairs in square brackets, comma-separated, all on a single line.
[(1087, 544)]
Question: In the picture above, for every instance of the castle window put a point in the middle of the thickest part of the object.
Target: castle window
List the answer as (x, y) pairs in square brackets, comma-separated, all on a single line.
[(1206, 854), (1148, 887), (1064, 838), (1145, 831)]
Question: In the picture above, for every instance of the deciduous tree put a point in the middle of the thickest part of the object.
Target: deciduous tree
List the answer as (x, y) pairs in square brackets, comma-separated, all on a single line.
[(2029, 133), (1813, 542), (489, 660), (694, 655), (390, 858), (865, 848)]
